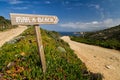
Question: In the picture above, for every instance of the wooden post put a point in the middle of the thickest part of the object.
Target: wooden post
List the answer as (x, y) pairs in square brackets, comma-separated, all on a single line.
[(30, 19), (40, 47)]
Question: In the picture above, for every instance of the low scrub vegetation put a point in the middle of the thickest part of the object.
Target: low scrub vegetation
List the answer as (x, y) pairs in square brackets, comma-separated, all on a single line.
[(109, 38), (19, 59), (5, 24), (111, 43)]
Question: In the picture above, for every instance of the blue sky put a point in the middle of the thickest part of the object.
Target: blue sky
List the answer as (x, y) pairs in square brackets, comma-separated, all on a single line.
[(74, 15)]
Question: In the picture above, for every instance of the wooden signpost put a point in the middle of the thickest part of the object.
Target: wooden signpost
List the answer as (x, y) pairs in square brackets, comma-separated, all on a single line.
[(35, 20)]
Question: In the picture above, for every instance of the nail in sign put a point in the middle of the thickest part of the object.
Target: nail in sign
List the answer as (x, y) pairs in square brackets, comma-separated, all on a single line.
[(28, 19)]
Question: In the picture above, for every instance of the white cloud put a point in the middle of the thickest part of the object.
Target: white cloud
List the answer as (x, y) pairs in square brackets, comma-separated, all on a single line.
[(20, 8), (67, 2), (15, 1), (74, 3), (94, 5), (99, 8), (47, 2), (95, 22), (93, 25), (102, 14), (108, 21)]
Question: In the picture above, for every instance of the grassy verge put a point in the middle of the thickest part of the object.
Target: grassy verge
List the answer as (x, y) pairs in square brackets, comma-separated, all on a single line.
[(5, 24), (109, 43), (19, 59), (7, 28)]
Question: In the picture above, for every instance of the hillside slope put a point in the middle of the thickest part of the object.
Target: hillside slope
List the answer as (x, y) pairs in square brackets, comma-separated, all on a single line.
[(110, 33), (109, 38), (5, 24), (19, 59)]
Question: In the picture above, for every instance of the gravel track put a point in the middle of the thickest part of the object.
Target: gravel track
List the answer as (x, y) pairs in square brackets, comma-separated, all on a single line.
[(10, 34), (97, 59)]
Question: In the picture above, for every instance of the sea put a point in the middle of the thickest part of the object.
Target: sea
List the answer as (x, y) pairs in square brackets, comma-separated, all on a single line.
[(68, 34)]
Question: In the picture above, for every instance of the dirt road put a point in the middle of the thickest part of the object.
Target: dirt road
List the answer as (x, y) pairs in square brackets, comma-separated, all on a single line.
[(10, 34), (98, 59)]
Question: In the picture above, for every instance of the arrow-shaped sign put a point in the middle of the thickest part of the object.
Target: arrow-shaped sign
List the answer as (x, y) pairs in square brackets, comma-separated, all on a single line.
[(28, 19)]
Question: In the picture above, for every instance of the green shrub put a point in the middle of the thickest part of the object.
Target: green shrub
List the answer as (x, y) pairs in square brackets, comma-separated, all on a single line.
[(24, 53), (109, 43)]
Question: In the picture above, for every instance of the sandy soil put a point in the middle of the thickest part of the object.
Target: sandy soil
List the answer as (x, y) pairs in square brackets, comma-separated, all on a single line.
[(98, 59), (10, 34)]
